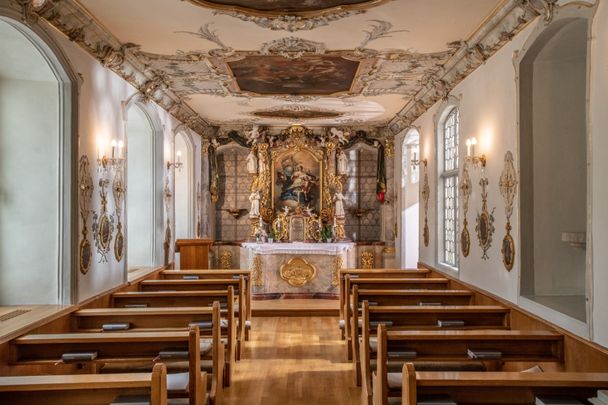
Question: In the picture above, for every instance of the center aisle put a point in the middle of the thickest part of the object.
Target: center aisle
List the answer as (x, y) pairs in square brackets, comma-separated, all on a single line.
[(293, 361)]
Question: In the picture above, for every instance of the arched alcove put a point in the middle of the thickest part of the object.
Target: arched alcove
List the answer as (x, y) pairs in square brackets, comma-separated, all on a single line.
[(184, 187), (37, 112), (553, 153), (144, 189), (409, 206)]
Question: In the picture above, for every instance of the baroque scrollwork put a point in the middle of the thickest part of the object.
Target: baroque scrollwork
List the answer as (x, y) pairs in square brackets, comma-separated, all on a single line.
[(508, 190), (103, 224), (292, 48), (466, 188), (118, 190), (426, 193), (485, 220), (85, 188)]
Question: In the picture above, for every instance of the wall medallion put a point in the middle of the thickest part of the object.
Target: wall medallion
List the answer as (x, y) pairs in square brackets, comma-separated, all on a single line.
[(85, 188), (465, 190), (485, 220), (508, 190), (103, 224), (118, 190), (297, 272), (426, 193)]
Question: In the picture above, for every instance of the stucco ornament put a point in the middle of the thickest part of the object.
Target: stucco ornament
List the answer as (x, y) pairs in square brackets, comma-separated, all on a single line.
[(508, 190), (465, 191)]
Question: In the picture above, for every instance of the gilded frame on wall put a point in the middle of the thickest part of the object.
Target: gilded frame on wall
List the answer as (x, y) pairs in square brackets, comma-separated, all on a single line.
[(306, 160)]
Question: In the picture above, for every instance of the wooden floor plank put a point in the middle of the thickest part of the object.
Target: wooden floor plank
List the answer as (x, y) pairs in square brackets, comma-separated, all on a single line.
[(295, 361)]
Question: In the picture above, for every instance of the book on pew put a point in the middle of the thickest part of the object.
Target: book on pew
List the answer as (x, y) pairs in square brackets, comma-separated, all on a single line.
[(603, 395), (449, 323), (235, 277), (203, 325), (442, 400), (597, 401), (173, 353), (374, 324), (136, 306), (112, 327), (191, 277), (557, 401), (429, 304), (484, 354), (78, 356), (402, 355), (131, 400)]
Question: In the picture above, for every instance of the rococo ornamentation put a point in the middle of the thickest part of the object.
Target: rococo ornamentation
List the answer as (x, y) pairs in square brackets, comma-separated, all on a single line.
[(465, 191), (85, 187), (508, 190), (297, 272), (485, 220), (367, 260), (426, 193), (103, 224), (118, 190)]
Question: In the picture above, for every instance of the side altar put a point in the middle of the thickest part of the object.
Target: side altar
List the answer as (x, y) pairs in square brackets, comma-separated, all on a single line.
[(297, 268)]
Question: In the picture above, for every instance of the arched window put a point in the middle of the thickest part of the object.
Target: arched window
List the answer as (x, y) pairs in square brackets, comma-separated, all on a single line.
[(184, 187), (448, 188), (36, 155)]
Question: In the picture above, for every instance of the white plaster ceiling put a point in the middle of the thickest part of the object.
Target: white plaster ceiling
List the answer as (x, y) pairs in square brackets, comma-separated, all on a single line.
[(396, 61)]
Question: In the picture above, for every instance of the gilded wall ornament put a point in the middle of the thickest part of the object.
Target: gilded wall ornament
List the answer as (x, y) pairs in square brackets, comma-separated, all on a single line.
[(297, 272), (225, 259), (508, 190), (118, 190), (485, 220), (465, 191), (335, 274), (426, 193), (103, 224), (85, 188), (256, 271), (368, 260)]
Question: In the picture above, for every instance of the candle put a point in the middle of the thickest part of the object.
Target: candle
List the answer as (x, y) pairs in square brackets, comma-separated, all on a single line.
[(179, 156), (469, 147), (473, 143), (113, 143)]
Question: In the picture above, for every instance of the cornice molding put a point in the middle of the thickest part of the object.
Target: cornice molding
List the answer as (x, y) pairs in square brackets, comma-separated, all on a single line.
[(82, 28)]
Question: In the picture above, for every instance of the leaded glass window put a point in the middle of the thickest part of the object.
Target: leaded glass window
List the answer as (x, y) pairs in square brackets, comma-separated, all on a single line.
[(449, 189)]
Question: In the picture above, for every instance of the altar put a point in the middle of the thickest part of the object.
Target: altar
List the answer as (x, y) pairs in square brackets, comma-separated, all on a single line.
[(297, 268)]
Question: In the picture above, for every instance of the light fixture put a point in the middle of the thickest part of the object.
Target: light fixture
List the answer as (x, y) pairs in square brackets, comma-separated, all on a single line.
[(471, 157), (178, 163), (116, 158), (416, 162)]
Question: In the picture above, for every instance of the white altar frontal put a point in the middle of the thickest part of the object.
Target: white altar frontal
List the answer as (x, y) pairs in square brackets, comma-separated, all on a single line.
[(296, 269)]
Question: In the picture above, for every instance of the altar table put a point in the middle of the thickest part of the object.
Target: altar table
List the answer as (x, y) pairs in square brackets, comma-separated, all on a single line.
[(297, 268)]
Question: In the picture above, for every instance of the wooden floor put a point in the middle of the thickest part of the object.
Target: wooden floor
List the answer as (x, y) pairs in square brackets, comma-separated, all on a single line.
[(295, 307), (294, 361)]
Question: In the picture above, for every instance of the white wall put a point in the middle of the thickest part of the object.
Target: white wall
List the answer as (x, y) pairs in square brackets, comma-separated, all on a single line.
[(488, 110)]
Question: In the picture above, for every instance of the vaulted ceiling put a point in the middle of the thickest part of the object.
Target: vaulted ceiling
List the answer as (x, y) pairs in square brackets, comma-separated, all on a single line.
[(279, 62)]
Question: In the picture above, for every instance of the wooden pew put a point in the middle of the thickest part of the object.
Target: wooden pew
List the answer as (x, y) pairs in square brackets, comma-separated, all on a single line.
[(159, 299), (157, 319), (415, 318), (373, 273), (91, 389), (445, 347), (120, 352), (491, 387), (238, 286), (382, 284), (218, 274)]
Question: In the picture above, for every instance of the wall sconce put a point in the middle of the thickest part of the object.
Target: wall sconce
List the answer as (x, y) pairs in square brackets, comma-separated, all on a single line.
[(416, 162), (116, 158), (178, 164), (471, 157)]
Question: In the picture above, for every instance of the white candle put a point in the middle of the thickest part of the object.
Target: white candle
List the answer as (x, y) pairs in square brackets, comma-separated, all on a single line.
[(113, 143), (473, 143), (121, 145), (469, 147), (179, 156)]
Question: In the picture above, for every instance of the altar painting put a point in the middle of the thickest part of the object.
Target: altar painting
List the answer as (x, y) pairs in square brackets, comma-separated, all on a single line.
[(297, 181)]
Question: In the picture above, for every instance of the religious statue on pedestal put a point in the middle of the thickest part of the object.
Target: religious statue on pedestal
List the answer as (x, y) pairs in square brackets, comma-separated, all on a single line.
[(339, 205), (342, 166), (254, 198), (252, 163)]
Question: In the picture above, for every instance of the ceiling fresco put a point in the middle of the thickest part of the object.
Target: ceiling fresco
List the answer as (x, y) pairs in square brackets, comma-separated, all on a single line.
[(221, 62), (308, 75)]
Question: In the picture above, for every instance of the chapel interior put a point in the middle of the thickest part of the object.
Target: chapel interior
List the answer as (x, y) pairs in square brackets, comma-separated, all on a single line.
[(274, 202)]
